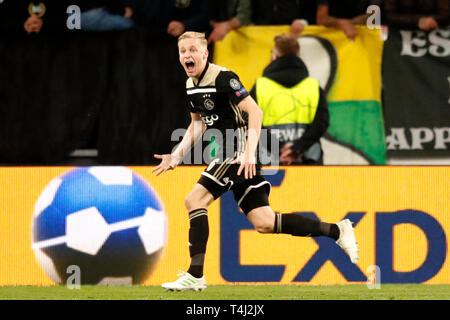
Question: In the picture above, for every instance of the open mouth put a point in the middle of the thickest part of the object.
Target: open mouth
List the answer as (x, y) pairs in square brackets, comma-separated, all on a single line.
[(190, 66)]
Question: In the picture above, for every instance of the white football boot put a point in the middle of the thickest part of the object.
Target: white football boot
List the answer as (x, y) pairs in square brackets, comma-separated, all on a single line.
[(347, 239), (186, 282)]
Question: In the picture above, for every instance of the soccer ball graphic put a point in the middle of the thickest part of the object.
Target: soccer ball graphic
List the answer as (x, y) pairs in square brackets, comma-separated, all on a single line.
[(107, 221)]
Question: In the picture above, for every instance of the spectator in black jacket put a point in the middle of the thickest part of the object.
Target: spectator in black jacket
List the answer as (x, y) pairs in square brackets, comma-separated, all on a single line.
[(174, 16), (296, 13), (295, 107), (229, 15), (344, 14), (425, 15)]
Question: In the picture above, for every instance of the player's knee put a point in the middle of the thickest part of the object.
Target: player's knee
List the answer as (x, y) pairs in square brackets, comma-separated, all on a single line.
[(264, 227), (189, 202)]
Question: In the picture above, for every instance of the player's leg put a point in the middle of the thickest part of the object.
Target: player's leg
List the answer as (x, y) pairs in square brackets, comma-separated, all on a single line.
[(196, 202), (254, 202), (253, 198), (267, 221), (210, 186), (297, 225)]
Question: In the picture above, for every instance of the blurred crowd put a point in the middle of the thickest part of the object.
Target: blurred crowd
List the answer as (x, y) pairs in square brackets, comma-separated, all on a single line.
[(216, 18)]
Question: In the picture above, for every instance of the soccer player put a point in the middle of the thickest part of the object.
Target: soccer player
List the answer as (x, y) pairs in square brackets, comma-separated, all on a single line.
[(217, 100)]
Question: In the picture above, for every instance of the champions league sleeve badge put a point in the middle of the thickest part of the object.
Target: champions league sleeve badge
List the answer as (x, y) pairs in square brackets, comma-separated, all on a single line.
[(235, 84)]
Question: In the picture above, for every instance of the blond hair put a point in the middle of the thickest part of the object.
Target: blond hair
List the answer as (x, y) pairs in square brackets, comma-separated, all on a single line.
[(194, 35)]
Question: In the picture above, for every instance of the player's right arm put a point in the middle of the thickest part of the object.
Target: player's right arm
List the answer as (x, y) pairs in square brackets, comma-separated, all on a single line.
[(193, 133)]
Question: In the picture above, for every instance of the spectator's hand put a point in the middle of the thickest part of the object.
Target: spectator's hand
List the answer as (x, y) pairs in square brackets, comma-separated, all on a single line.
[(428, 24), (297, 27), (348, 28), (175, 28), (128, 12), (220, 31), (288, 155), (33, 24)]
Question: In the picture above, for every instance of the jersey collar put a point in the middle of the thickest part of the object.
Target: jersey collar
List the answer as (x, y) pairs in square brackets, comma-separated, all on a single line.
[(201, 75)]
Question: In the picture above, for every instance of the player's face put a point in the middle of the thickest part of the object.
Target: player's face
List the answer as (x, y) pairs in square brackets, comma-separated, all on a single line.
[(193, 56)]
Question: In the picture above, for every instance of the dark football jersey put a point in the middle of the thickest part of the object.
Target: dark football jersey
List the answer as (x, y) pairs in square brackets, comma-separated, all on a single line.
[(215, 98)]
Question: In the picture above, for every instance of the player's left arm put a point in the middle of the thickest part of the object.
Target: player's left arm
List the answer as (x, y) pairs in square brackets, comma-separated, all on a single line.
[(228, 82), (255, 117)]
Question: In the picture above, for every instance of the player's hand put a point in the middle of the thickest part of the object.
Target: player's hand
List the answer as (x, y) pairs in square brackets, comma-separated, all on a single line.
[(428, 24), (288, 155), (348, 28), (168, 162), (247, 164)]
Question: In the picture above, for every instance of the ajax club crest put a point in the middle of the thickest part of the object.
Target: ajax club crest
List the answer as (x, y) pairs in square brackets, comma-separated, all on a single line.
[(209, 104)]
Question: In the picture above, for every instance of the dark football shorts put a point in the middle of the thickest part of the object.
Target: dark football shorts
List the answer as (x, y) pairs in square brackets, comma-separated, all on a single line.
[(252, 193)]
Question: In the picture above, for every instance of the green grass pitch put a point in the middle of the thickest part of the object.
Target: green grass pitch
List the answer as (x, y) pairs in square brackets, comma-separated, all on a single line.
[(232, 292)]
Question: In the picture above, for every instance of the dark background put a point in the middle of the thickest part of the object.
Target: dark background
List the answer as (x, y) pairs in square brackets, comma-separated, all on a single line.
[(121, 93), (415, 91)]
